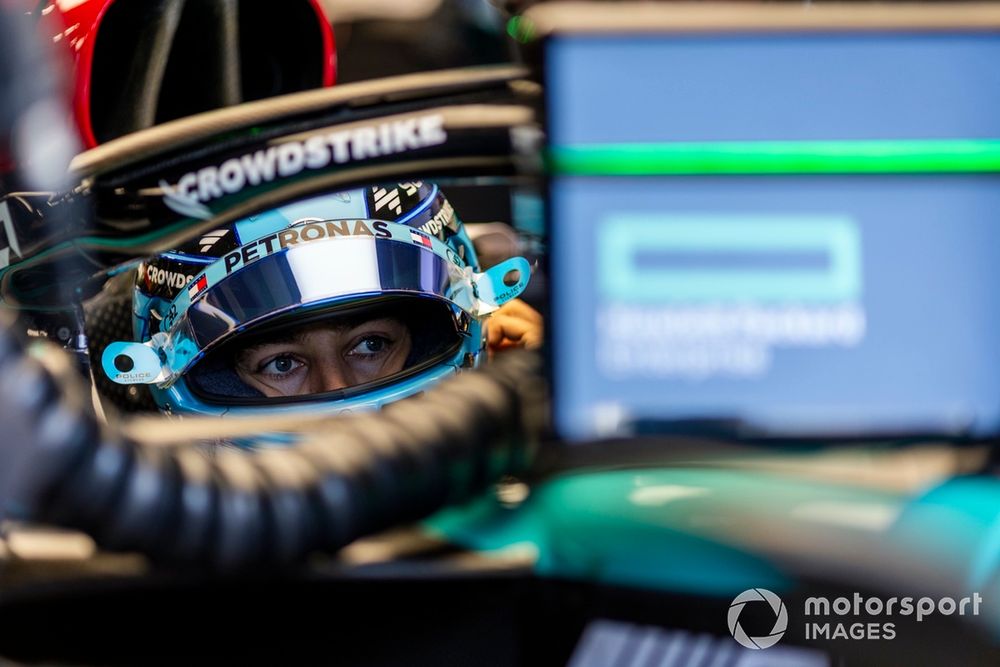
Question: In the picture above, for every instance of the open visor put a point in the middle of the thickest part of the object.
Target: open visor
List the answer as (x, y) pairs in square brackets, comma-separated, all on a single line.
[(316, 265)]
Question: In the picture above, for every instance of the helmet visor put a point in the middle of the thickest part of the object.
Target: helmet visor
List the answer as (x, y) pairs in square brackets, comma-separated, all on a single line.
[(311, 275)]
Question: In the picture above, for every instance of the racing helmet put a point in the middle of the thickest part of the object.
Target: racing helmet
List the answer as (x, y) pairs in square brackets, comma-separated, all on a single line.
[(212, 319)]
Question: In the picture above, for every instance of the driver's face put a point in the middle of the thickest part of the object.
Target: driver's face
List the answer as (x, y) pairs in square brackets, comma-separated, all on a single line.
[(325, 357)]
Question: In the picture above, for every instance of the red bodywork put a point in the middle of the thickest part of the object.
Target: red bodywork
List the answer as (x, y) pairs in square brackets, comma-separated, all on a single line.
[(76, 24)]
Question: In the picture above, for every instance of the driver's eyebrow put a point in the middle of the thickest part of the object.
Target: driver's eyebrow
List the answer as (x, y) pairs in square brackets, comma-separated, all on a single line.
[(370, 321), (296, 336), (287, 337), (277, 339)]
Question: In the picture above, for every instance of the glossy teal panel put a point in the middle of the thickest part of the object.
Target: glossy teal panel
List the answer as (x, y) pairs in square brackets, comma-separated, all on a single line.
[(674, 529), (718, 531)]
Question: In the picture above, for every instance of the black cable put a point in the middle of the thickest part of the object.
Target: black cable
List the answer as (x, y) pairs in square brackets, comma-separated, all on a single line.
[(349, 476)]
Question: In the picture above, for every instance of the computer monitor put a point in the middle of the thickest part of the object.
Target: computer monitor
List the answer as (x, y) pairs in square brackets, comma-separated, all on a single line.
[(785, 227)]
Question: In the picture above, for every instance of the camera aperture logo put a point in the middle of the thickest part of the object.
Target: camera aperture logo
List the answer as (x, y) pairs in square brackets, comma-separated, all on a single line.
[(780, 618)]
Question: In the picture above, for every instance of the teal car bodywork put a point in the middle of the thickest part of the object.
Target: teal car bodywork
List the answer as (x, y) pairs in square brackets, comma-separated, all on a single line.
[(718, 529)]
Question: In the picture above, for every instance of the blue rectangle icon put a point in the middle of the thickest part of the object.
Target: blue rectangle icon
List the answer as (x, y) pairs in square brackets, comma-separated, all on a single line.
[(664, 258)]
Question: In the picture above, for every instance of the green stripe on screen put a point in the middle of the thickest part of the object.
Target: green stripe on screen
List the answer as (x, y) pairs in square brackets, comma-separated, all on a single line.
[(778, 157)]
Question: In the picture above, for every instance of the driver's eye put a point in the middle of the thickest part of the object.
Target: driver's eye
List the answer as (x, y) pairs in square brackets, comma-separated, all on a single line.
[(370, 346), (280, 365)]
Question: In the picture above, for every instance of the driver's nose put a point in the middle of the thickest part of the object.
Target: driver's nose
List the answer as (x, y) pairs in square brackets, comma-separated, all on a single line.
[(328, 377)]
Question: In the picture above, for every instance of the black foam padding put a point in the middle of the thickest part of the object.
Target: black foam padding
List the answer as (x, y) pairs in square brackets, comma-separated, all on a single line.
[(337, 497), (488, 414), (444, 435), (45, 431), (59, 435), (345, 458), (146, 506), (197, 498), (423, 455), (243, 521), (28, 390), (395, 472), (233, 509), (90, 491), (290, 480)]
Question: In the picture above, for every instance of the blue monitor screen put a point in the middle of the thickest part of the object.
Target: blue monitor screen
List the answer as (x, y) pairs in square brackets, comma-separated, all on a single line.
[(796, 233)]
